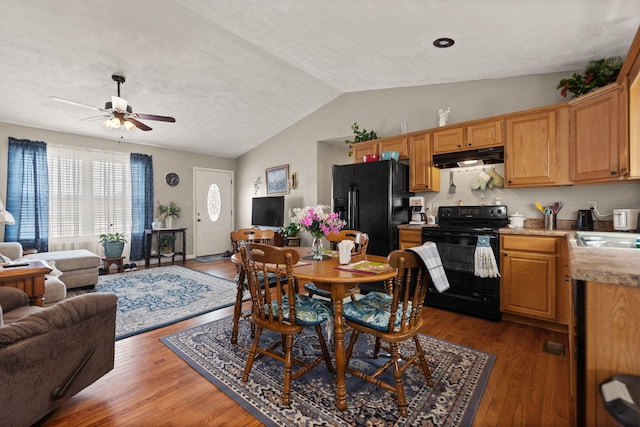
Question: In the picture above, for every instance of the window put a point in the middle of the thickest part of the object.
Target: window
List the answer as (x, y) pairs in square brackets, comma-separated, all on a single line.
[(89, 194), (214, 202)]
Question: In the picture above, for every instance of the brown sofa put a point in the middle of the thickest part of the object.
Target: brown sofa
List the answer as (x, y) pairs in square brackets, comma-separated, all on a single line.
[(47, 354)]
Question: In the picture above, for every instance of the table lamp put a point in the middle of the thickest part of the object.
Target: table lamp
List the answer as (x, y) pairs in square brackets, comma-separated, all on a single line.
[(5, 215)]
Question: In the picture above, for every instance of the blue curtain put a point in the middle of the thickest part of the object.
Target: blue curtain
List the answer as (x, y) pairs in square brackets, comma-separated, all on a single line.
[(28, 194), (141, 202)]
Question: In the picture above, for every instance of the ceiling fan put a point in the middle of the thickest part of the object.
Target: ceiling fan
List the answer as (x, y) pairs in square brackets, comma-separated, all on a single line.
[(119, 113)]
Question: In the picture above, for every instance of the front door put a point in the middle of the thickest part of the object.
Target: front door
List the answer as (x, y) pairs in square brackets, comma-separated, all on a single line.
[(214, 211)]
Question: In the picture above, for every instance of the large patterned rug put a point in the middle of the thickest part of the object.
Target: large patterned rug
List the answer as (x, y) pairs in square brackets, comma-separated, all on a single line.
[(156, 297), (460, 375)]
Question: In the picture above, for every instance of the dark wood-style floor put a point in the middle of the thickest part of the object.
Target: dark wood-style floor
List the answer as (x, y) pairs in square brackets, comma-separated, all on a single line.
[(151, 386)]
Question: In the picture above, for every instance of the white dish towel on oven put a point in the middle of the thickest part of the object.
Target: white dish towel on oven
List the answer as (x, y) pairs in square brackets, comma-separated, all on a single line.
[(485, 261), (429, 254)]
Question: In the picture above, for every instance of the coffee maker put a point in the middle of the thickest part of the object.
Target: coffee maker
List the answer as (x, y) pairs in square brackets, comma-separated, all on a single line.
[(416, 205)]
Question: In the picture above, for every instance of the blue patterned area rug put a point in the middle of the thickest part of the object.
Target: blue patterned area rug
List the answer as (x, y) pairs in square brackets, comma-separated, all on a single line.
[(460, 375), (157, 297)]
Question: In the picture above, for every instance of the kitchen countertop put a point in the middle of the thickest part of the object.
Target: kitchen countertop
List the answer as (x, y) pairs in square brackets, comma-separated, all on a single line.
[(618, 266), (415, 226), (536, 231)]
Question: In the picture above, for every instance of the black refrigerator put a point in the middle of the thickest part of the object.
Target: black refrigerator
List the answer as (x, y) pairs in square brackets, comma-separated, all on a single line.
[(373, 198)]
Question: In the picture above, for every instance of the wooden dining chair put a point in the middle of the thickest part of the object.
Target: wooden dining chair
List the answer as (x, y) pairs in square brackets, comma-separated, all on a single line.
[(282, 310), (361, 242), (392, 317), (238, 239)]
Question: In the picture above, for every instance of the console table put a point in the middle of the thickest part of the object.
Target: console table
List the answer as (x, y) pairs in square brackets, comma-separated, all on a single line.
[(158, 233)]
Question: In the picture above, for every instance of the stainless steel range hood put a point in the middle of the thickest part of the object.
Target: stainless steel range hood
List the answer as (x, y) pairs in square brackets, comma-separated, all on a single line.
[(453, 160)]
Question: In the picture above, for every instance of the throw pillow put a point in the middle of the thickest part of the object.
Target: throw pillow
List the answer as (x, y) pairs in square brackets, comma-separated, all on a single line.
[(54, 271)]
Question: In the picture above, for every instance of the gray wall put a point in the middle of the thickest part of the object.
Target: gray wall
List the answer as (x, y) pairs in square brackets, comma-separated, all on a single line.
[(313, 144), (164, 161)]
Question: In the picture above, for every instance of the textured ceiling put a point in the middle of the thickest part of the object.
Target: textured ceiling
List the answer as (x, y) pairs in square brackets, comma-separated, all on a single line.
[(235, 73)]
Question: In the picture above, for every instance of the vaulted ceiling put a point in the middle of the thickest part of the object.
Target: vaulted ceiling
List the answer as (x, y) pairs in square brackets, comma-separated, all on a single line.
[(235, 73)]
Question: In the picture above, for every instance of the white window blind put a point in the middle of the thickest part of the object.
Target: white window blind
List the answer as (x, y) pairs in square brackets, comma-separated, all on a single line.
[(89, 194)]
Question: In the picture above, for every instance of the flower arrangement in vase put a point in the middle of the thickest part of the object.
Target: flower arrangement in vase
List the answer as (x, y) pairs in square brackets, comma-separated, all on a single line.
[(319, 221)]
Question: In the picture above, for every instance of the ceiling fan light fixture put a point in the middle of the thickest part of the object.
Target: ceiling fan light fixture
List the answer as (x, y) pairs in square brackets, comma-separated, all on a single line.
[(129, 126), (113, 123)]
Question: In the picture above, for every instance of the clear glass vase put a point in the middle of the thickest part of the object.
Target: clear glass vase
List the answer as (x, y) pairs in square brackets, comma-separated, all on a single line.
[(317, 248)]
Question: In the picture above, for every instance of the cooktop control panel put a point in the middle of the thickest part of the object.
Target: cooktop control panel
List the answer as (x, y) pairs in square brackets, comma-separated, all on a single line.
[(473, 212)]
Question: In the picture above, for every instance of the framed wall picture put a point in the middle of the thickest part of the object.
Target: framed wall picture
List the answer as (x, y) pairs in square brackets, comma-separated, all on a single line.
[(278, 180)]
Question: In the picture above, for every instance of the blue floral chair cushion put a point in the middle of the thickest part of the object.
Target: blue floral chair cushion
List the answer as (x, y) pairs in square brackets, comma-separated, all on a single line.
[(309, 311), (372, 310), (271, 279)]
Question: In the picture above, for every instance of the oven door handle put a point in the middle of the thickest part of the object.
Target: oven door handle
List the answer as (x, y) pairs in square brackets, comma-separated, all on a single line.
[(431, 235)]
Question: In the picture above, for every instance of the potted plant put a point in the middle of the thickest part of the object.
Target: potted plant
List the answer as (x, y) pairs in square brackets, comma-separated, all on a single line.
[(168, 212), (166, 244), (290, 234), (112, 243), (360, 136), (598, 73)]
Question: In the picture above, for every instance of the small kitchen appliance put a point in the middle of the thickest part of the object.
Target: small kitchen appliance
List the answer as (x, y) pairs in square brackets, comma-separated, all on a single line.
[(584, 222), (416, 204), (625, 219)]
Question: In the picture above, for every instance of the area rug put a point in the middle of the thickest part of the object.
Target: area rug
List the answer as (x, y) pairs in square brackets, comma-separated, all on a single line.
[(460, 375), (157, 297)]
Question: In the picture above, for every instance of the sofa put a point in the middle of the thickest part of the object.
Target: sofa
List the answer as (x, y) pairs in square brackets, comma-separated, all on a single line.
[(47, 354), (79, 267)]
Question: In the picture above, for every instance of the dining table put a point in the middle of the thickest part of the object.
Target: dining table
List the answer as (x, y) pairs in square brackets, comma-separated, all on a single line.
[(329, 274)]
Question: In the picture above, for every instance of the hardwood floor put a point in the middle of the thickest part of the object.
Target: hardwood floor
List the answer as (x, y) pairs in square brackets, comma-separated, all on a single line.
[(151, 386)]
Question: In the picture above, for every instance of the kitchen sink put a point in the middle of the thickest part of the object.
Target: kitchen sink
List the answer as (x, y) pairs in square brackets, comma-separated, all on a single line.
[(601, 239)]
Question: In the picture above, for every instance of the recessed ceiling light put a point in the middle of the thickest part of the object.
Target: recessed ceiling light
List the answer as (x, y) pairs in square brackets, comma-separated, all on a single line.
[(443, 42)]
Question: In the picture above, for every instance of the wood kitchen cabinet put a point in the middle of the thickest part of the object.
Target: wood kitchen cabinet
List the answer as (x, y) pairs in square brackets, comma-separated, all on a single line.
[(597, 138), (479, 134), (395, 143), (423, 176), (536, 147), (409, 238), (398, 143), (534, 285), (363, 148), (612, 342)]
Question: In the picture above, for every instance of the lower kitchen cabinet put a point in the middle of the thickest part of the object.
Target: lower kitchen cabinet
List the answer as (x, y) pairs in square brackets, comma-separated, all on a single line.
[(534, 284), (409, 238)]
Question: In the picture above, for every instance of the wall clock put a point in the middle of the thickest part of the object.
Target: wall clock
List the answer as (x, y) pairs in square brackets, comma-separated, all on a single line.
[(173, 179)]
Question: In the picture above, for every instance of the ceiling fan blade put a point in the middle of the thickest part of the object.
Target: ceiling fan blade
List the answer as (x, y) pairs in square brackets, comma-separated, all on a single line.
[(79, 104), (138, 124), (102, 117), (158, 118)]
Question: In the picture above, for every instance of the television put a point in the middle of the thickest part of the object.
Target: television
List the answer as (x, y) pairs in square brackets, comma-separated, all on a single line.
[(267, 211)]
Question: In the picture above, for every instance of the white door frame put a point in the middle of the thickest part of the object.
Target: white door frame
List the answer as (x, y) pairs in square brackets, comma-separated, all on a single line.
[(195, 217)]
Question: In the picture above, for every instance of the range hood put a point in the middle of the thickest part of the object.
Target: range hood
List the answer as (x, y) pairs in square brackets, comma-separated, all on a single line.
[(453, 160)]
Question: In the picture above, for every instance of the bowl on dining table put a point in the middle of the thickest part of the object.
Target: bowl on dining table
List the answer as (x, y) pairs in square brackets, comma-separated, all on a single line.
[(370, 158)]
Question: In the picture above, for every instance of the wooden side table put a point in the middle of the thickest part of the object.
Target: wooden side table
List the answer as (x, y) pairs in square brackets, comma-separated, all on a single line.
[(158, 233), (108, 262), (29, 279)]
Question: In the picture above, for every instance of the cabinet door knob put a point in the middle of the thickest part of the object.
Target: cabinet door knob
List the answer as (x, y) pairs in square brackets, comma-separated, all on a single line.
[(614, 173)]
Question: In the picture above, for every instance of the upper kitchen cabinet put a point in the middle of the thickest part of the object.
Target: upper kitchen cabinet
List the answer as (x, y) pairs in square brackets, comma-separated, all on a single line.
[(629, 77), (398, 143), (361, 149), (536, 147), (422, 175), (597, 138), (470, 136), (395, 143)]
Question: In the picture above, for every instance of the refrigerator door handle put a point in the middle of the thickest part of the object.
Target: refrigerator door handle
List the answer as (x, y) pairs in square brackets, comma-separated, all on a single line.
[(353, 209)]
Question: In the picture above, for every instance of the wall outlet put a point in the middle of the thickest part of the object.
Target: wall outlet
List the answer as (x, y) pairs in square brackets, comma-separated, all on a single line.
[(592, 204)]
